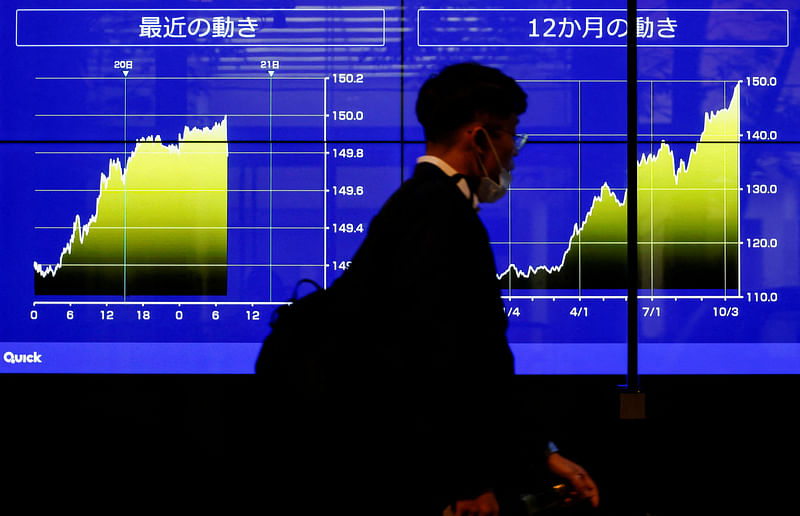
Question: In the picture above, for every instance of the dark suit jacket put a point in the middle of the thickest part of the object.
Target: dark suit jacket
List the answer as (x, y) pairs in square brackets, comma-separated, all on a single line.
[(425, 410)]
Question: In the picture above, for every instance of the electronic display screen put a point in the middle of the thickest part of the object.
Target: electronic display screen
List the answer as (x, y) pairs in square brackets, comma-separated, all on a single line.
[(169, 174)]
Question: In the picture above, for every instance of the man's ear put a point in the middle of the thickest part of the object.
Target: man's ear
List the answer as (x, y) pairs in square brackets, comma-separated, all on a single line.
[(480, 139)]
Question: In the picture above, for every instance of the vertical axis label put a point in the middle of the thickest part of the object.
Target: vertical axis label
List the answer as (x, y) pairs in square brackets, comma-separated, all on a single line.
[(325, 182)]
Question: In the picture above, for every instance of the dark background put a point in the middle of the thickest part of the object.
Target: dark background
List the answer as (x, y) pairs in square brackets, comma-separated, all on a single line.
[(708, 444)]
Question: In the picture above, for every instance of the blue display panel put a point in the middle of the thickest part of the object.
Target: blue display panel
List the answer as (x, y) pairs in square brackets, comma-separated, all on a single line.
[(168, 175), (733, 307), (173, 172)]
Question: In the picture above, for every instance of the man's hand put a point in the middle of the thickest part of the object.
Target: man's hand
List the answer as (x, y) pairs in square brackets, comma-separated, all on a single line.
[(484, 505), (581, 482)]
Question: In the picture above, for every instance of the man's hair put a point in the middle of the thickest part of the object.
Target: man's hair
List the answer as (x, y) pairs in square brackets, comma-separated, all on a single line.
[(461, 93)]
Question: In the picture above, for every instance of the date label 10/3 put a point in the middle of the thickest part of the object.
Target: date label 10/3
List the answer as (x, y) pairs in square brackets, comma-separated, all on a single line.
[(726, 311)]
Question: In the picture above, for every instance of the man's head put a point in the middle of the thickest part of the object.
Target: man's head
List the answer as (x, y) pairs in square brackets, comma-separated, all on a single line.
[(469, 113), (465, 93)]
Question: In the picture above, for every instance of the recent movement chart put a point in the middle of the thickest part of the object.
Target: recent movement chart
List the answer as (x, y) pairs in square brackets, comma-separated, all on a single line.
[(201, 206)]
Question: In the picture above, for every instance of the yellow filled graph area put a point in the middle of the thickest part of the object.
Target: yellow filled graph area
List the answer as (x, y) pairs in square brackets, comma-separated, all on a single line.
[(688, 222), (689, 214), (160, 225)]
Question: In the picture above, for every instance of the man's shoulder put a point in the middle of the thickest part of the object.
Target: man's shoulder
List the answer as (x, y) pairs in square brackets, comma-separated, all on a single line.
[(429, 171), (427, 202), (432, 183)]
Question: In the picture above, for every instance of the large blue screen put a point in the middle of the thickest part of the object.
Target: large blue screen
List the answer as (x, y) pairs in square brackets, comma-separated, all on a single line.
[(168, 175)]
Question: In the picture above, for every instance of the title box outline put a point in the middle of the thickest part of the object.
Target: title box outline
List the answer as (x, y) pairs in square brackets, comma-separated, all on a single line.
[(210, 45), (786, 11)]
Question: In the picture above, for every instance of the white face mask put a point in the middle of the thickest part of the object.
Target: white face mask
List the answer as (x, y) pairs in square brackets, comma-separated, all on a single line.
[(488, 189)]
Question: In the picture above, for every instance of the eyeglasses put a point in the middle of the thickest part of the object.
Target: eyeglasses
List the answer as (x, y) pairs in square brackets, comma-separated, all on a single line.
[(519, 138)]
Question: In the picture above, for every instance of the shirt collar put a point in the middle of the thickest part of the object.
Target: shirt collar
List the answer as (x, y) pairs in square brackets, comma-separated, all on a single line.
[(450, 171)]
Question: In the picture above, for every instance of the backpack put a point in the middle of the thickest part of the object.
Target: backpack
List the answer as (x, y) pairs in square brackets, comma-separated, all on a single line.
[(294, 359)]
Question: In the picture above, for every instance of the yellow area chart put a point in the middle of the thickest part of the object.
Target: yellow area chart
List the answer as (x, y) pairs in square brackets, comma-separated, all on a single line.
[(688, 222), (160, 225)]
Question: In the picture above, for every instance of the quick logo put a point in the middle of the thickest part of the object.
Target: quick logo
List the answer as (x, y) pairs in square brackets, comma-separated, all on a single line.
[(14, 358)]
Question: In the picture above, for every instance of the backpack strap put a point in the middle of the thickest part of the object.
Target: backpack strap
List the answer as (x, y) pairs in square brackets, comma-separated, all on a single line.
[(297, 287)]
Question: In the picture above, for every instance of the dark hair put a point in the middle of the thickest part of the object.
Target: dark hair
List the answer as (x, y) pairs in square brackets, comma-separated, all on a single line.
[(460, 93)]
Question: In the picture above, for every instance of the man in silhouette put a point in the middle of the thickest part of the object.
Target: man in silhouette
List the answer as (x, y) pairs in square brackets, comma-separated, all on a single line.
[(423, 412)]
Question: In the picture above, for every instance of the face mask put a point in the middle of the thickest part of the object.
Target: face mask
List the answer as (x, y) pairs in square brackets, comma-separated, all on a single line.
[(488, 190)]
